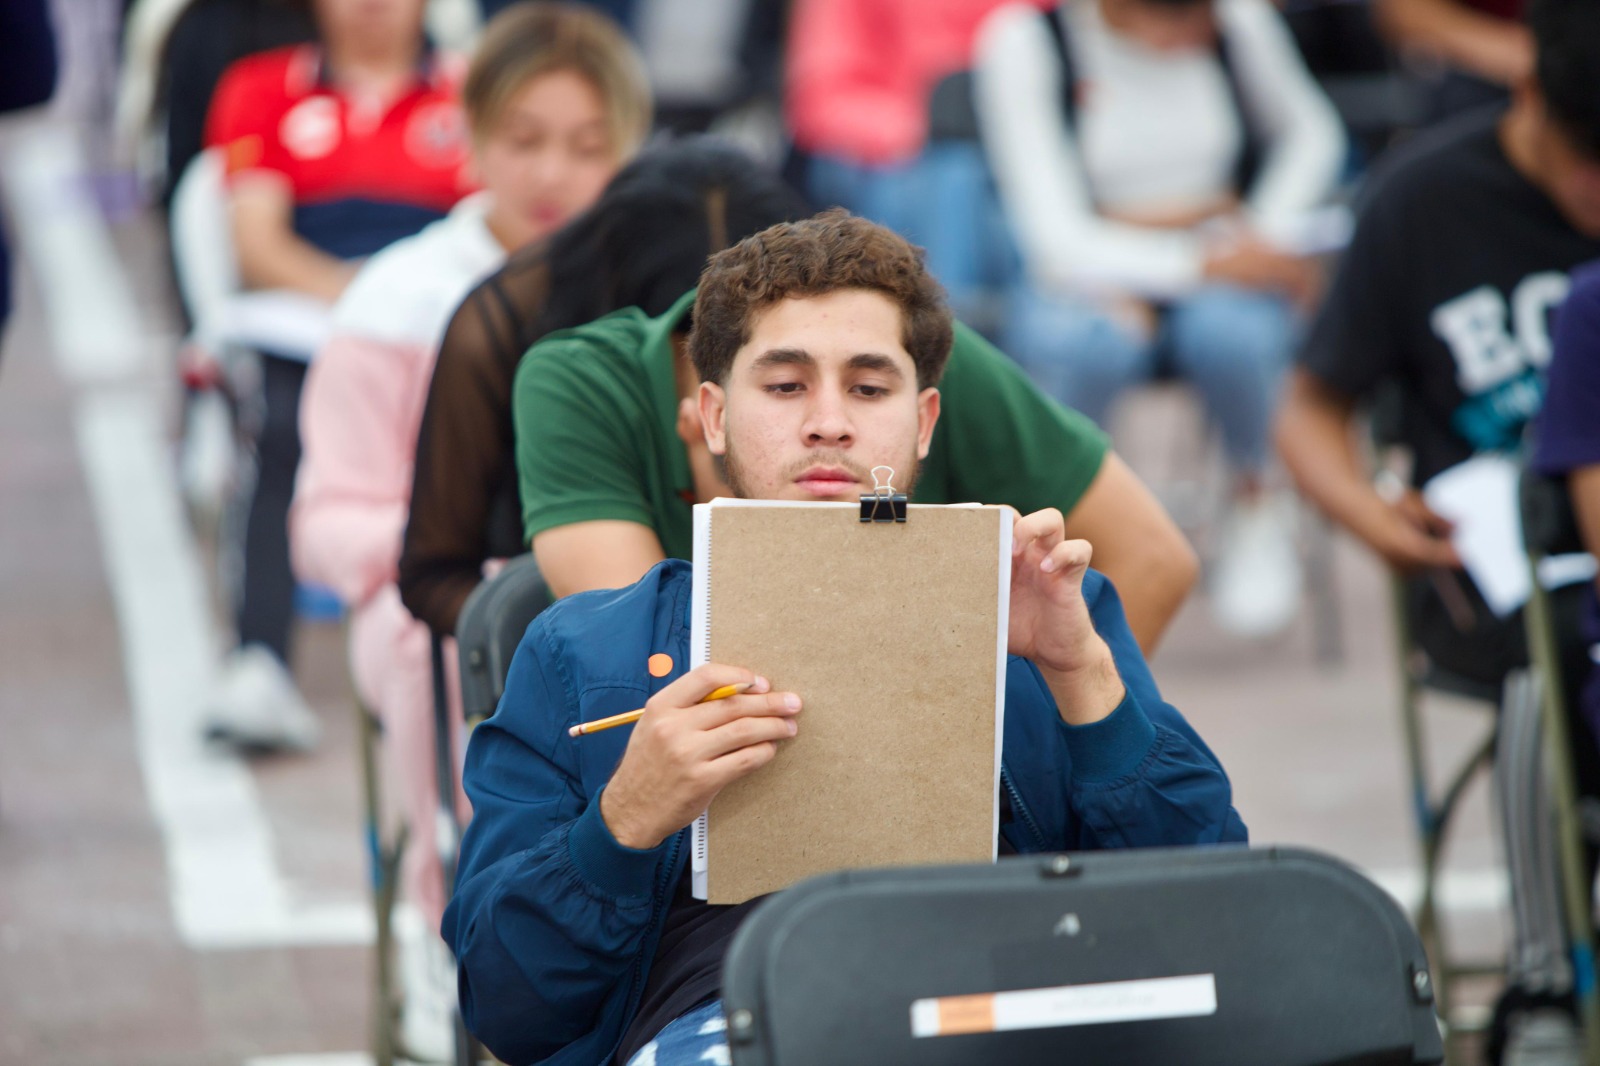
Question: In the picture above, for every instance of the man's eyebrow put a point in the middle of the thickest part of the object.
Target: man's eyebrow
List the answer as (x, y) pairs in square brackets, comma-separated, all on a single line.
[(783, 357), (876, 361)]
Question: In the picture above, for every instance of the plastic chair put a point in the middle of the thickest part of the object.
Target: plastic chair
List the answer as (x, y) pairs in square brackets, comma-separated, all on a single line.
[(488, 630), (1550, 530), (1200, 956)]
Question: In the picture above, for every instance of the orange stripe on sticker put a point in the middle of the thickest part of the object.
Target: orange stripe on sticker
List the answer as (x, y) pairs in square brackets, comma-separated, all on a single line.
[(966, 1014)]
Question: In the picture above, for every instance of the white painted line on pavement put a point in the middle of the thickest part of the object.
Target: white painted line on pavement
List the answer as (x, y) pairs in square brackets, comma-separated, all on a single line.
[(94, 323), (226, 888), (350, 1059)]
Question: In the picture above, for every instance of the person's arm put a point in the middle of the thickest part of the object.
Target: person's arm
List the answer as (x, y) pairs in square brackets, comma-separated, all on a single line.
[(580, 463), (1139, 774), (1017, 93), (550, 910), (271, 255), (463, 460), (1305, 142), (350, 497), (1316, 438), (1583, 485), (602, 554), (1138, 546), (1492, 48)]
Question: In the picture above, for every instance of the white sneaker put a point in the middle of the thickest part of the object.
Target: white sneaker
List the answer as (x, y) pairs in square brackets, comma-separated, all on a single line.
[(428, 976), (1255, 582), (255, 704)]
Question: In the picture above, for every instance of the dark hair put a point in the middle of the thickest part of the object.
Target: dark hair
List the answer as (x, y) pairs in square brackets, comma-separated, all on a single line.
[(645, 241), (1566, 35), (833, 251)]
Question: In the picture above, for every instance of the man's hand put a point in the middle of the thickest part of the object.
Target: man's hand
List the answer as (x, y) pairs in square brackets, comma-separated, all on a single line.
[(1050, 624), (683, 752), (1414, 537)]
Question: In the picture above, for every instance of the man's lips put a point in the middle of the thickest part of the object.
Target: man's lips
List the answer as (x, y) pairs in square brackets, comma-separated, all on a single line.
[(827, 480)]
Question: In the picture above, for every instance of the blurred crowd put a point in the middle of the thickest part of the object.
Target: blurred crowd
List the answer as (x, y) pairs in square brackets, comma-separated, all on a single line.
[(436, 261)]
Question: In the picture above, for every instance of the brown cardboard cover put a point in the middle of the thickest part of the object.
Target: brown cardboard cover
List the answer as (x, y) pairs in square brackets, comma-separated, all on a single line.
[(889, 634)]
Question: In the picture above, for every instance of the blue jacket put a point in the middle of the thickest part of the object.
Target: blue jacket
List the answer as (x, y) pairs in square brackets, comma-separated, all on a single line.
[(555, 923)]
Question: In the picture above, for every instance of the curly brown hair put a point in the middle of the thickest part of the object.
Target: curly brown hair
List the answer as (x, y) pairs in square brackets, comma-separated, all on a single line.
[(816, 256)]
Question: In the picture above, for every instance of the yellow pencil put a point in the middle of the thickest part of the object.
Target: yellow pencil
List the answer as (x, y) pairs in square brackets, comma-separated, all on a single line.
[(633, 716)]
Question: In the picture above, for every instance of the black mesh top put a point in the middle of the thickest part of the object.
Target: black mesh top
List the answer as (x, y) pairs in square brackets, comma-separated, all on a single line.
[(464, 504)]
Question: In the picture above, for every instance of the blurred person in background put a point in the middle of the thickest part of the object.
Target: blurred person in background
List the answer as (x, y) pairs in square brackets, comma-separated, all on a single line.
[(642, 246), (1155, 158), (1480, 49), (860, 81), (27, 78), (1567, 446), (333, 151), (556, 101), (1461, 251)]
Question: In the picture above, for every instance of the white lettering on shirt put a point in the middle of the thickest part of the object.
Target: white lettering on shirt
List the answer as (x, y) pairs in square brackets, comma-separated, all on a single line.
[(1474, 326)]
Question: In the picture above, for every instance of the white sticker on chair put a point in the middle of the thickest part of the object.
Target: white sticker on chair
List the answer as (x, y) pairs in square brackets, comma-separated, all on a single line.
[(1046, 1008)]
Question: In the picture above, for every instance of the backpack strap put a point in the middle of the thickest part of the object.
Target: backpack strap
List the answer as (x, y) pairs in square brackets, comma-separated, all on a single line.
[(1056, 22)]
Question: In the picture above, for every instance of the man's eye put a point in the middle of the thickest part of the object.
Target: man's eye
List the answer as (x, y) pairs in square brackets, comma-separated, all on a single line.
[(872, 391), (785, 388)]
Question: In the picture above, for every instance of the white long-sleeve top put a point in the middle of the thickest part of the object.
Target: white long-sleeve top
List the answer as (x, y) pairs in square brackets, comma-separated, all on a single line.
[(1156, 132)]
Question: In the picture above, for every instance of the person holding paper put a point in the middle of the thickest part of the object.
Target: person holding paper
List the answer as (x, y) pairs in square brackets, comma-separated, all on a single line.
[(1460, 253), (819, 345)]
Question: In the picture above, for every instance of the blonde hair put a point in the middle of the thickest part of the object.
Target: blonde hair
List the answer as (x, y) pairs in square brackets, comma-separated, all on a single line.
[(537, 37)]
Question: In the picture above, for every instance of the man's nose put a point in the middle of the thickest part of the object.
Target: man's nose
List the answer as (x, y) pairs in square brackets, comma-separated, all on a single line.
[(827, 421)]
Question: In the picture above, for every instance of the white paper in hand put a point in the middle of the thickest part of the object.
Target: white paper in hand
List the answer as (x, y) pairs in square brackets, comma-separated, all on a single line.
[(1480, 497)]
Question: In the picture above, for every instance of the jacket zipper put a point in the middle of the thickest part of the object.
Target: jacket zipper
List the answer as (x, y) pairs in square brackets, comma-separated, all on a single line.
[(1020, 810)]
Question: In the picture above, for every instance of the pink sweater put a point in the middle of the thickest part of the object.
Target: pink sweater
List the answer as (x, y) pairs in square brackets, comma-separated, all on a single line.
[(860, 72), (363, 399)]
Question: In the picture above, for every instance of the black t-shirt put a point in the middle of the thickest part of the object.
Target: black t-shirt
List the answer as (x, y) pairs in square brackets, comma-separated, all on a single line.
[(1445, 294), (687, 970)]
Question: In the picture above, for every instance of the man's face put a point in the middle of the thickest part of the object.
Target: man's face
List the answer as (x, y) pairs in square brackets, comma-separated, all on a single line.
[(823, 392)]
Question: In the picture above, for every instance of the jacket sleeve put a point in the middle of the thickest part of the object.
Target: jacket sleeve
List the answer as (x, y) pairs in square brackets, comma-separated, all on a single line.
[(549, 911), (358, 431), (1142, 777)]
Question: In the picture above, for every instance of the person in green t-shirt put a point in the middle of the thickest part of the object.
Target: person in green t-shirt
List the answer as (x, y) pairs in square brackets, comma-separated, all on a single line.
[(610, 459)]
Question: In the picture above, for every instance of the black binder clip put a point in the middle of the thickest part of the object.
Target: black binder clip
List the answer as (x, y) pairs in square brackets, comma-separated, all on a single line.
[(885, 504)]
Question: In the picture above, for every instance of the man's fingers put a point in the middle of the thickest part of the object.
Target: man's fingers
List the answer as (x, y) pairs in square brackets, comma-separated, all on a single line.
[(707, 716), (1042, 530), (1066, 556), (702, 681), (743, 732)]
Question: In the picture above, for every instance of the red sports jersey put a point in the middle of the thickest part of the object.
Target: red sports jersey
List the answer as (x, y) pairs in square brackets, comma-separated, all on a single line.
[(362, 174)]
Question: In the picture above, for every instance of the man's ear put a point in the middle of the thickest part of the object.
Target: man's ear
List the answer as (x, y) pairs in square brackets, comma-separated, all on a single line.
[(927, 417), (713, 416)]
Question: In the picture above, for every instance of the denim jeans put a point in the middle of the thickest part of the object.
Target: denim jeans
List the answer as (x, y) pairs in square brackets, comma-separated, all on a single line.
[(1231, 344), (944, 201), (696, 1038)]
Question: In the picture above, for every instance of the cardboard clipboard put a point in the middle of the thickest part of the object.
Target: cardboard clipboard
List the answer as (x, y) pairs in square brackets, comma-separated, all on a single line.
[(893, 631)]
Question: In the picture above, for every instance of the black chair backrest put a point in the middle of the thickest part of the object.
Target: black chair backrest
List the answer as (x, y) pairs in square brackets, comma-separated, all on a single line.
[(1200, 956), (490, 627)]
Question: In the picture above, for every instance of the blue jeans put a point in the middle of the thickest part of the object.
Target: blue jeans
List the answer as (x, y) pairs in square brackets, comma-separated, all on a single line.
[(944, 200), (1232, 344), (695, 1038)]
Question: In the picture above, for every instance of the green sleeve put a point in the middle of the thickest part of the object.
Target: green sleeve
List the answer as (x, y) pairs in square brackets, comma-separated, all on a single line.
[(575, 460), (1007, 442)]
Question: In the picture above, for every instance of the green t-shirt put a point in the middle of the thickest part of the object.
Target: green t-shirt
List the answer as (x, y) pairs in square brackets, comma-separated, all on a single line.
[(596, 413)]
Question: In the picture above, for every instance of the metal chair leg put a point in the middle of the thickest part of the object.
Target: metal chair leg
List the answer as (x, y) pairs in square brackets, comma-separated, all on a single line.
[(384, 865)]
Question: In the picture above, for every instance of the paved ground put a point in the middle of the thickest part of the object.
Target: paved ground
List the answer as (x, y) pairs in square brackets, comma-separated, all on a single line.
[(162, 903)]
